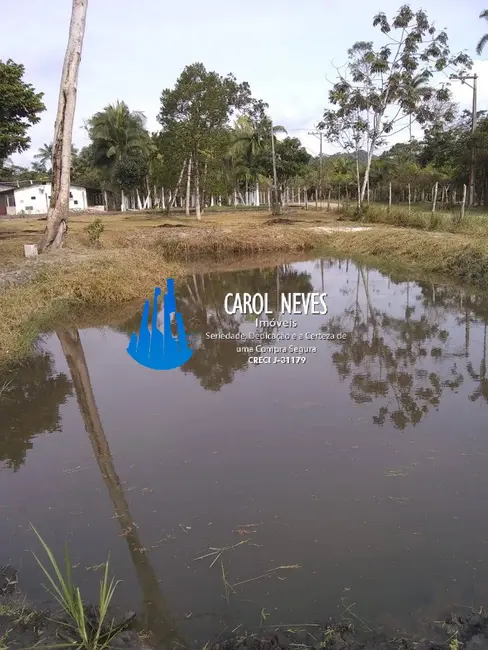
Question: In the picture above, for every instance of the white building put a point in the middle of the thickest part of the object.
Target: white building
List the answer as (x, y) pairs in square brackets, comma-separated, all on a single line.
[(34, 199)]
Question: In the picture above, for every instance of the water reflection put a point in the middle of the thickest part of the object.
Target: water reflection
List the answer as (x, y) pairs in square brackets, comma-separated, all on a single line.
[(312, 471), (30, 398), (404, 360), (156, 611), (393, 359), (215, 362)]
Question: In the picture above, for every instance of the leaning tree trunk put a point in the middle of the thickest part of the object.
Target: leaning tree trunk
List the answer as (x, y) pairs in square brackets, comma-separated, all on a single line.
[(57, 216), (171, 204)]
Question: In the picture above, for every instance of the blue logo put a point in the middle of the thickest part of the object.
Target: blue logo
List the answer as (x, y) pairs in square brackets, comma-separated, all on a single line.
[(160, 350)]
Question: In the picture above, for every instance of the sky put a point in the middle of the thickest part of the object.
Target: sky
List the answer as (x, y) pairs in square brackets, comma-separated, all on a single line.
[(285, 49)]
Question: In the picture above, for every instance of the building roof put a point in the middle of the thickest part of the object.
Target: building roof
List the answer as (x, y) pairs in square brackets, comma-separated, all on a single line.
[(6, 187)]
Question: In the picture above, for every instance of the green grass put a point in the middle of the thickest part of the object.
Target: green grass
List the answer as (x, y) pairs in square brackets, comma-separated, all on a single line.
[(82, 632), (4, 639), (473, 222)]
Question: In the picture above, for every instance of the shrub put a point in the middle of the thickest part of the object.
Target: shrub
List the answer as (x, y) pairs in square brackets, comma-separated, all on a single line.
[(94, 231)]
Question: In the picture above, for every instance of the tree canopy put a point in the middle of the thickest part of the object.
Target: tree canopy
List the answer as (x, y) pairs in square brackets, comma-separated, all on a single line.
[(214, 140), (20, 108)]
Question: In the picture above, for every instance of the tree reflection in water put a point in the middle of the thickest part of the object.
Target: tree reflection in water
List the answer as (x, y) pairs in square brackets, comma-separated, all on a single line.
[(156, 610), (201, 300), (30, 398), (406, 362)]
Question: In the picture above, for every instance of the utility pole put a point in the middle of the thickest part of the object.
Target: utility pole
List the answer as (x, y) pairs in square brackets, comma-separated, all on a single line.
[(275, 203), (472, 171), (320, 136)]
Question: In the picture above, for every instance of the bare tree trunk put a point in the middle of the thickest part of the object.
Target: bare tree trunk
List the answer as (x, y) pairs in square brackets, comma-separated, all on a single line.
[(463, 203), (366, 175), (409, 199), (138, 198), (204, 184), (177, 188), (148, 197), (105, 200), (188, 188), (122, 201), (358, 182), (389, 197), (434, 199), (57, 216), (196, 176), (257, 201)]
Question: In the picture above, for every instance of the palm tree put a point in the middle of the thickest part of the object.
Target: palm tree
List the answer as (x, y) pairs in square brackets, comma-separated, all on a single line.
[(250, 139), (116, 133), (484, 39), (45, 154)]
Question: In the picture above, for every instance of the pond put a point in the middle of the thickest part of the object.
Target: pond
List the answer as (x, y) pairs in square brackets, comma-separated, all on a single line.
[(354, 484)]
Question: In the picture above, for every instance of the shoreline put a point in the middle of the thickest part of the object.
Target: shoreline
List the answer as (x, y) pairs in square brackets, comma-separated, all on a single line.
[(36, 295), (22, 626)]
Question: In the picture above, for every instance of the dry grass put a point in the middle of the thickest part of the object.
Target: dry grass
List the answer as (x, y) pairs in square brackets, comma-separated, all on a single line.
[(136, 253)]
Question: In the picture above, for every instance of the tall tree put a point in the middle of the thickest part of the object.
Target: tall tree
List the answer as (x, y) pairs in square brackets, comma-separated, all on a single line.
[(119, 143), (20, 107), (251, 138), (198, 107), (57, 216), (374, 96)]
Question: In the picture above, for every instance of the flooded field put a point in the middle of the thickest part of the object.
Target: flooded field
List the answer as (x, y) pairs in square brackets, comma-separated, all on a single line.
[(352, 484)]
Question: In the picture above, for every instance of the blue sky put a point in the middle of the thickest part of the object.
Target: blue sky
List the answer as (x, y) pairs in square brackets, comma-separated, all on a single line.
[(285, 49)]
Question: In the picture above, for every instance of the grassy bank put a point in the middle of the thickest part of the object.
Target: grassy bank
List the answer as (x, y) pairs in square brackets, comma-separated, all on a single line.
[(473, 223), (459, 258), (138, 251), (134, 254)]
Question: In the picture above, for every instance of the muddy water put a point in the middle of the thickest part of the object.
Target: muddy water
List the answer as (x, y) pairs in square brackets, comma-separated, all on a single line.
[(362, 472)]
